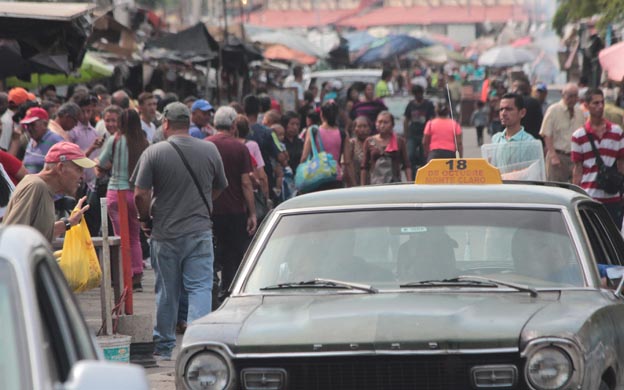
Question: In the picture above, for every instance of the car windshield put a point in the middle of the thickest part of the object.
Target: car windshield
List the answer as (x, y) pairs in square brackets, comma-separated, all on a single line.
[(13, 348), (387, 249)]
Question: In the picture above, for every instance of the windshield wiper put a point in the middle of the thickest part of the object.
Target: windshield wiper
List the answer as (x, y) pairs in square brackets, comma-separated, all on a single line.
[(470, 281), (322, 283), (453, 282)]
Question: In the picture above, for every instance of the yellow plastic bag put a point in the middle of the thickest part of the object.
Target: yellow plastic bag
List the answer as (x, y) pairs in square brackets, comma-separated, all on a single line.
[(78, 259)]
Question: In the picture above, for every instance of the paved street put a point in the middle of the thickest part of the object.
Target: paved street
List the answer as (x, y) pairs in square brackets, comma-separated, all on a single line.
[(161, 377)]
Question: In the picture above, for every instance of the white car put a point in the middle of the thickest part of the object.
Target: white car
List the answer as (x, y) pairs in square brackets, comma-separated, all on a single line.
[(44, 341)]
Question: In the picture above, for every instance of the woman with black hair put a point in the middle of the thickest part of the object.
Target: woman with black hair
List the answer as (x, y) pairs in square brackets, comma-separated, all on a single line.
[(385, 154), (443, 135), (120, 154), (294, 145), (335, 143)]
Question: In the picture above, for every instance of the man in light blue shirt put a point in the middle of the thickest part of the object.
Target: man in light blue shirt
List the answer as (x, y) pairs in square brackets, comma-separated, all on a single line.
[(520, 148)]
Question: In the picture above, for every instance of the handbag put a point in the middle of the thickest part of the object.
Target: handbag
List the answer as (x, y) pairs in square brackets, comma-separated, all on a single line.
[(609, 179), (320, 167)]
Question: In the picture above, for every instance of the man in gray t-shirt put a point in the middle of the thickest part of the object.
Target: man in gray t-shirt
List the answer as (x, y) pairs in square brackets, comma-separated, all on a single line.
[(181, 237)]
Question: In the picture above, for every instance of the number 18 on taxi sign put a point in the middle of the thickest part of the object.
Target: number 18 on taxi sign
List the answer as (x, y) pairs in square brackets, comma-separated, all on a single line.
[(458, 171)]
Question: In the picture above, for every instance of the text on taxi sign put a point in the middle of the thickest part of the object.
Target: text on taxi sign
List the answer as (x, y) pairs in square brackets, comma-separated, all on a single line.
[(458, 171)]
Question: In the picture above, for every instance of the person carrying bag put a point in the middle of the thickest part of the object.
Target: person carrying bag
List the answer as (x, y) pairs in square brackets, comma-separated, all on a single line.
[(609, 179), (320, 167)]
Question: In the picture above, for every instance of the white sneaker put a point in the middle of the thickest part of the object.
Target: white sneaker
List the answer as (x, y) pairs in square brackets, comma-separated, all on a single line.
[(147, 263)]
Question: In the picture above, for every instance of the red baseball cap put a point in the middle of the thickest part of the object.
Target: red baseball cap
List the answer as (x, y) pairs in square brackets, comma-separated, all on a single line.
[(19, 96), (67, 151), (34, 114)]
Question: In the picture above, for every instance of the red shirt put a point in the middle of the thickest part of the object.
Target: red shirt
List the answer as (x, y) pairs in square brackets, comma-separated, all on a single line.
[(11, 165), (236, 162), (610, 147)]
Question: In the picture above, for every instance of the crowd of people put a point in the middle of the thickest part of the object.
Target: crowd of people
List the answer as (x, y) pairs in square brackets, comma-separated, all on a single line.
[(196, 179)]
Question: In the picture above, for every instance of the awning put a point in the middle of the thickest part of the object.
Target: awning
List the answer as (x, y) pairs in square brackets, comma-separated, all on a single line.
[(298, 18), (280, 52), (48, 37), (424, 15), (194, 44), (46, 11), (92, 68)]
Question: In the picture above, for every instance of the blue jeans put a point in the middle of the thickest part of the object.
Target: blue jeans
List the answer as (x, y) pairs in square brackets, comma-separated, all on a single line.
[(183, 263), (415, 154)]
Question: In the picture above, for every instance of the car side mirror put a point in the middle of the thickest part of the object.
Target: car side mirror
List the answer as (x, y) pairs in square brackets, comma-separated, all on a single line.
[(616, 276), (103, 375)]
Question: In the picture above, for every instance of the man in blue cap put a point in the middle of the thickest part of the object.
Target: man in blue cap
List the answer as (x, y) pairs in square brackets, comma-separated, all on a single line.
[(201, 113), (541, 92)]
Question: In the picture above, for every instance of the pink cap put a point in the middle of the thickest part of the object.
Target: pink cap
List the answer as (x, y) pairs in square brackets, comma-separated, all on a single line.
[(67, 151), (34, 114)]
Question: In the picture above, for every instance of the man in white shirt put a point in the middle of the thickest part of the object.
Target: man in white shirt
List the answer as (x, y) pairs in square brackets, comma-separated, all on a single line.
[(147, 111), (17, 97), (561, 120)]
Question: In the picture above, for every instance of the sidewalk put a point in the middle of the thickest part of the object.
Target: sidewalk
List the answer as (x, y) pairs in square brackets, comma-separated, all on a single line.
[(161, 377)]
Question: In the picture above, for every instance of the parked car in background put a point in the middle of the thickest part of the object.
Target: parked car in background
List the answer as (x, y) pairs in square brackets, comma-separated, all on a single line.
[(45, 343), (436, 287)]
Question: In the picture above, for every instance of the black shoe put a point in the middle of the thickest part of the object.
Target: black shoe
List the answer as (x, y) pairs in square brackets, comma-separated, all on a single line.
[(137, 287)]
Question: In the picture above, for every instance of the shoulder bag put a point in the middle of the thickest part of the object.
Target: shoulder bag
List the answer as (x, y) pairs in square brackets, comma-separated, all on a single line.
[(609, 179), (320, 167), (190, 171)]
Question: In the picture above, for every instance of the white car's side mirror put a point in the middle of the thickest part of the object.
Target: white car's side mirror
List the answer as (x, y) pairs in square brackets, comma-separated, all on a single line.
[(103, 375)]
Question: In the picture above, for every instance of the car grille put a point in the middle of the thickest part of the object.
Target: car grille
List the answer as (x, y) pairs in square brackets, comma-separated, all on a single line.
[(413, 372)]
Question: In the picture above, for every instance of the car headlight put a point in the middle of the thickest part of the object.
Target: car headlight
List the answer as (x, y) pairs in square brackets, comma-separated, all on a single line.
[(549, 368), (207, 371)]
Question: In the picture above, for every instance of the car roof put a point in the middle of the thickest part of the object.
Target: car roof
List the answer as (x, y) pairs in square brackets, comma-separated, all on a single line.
[(529, 194), (17, 244)]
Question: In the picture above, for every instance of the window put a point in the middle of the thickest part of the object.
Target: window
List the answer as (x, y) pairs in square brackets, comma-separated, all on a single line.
[(65, 331), (386, 248), (604, 237)]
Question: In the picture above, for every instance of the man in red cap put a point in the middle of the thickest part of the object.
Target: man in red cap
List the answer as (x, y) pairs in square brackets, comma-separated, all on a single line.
[(35, 123), (17, 97), (32, 203)]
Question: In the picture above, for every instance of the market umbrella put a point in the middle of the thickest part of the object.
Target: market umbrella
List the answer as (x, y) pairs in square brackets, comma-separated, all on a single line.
[(611, 61), (281, 52), (92, 68), (520, 42), (438, 39), (389, 47), (504, 56), (358, 40), (439, 54), (14, 63), (290, 40)]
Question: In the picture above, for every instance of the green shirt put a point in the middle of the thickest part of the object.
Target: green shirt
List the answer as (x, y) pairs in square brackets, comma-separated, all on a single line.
[(120, 177), (381, 89)]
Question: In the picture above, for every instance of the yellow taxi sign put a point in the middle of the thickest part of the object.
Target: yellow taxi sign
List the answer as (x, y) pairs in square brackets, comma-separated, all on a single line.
[(458, 171)]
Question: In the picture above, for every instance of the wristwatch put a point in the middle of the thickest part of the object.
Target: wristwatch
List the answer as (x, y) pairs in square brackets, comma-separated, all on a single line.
[(68, 224)]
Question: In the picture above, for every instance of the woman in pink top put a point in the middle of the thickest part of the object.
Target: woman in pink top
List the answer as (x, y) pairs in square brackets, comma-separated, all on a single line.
[(332, 138), (442, 135)]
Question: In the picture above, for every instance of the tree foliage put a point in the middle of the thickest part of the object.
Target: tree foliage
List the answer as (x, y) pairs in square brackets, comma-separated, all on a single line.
[(570, 11)]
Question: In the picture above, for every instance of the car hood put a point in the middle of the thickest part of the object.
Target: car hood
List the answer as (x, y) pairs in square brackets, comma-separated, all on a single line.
[(386, 321)]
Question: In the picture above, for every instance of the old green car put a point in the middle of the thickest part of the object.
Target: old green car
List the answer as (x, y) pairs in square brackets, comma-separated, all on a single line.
[(421, 287)]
